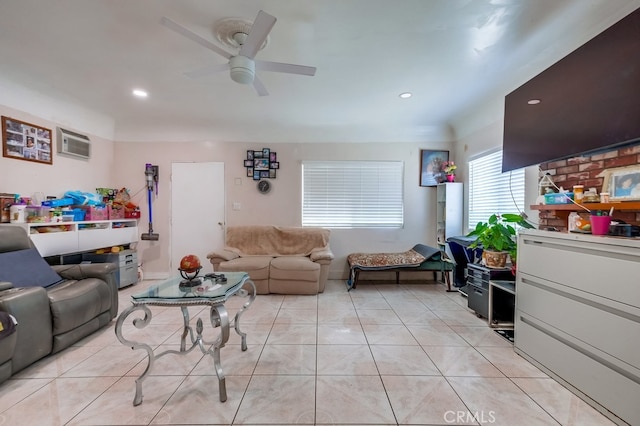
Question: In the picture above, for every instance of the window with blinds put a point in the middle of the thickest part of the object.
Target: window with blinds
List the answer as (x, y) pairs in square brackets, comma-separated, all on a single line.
[(491, 191), (353, 194)]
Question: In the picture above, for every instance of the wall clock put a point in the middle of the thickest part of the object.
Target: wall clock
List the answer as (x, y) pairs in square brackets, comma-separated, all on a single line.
[(264, 186)]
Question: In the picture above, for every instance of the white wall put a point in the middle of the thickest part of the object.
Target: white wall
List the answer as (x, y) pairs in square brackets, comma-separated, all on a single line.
[(282, 205), (121, 164), (28, 178), (487, 139)]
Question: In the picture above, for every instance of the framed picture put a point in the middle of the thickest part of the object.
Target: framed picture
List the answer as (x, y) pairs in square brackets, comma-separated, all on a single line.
[(622, 183), (431, 165), (260, 163), (25, 141)]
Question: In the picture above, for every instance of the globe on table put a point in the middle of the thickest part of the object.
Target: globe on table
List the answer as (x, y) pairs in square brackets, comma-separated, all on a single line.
[(189, 269)]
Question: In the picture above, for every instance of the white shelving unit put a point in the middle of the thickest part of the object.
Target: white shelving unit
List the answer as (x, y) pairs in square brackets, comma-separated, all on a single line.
[(52, 239), (449, 213)]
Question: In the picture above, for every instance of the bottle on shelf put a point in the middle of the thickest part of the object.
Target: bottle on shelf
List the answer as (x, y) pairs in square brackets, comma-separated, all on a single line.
[(574, 217)]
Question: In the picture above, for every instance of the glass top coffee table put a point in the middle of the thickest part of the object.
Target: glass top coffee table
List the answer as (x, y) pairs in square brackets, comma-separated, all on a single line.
[(211, 290)]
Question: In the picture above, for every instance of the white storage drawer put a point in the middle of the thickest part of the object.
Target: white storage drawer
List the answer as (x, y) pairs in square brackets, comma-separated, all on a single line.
[(607, 270), (595, 321), (607, 387)]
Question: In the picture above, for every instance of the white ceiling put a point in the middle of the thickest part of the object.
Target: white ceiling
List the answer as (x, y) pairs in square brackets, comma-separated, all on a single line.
[(458, 57)]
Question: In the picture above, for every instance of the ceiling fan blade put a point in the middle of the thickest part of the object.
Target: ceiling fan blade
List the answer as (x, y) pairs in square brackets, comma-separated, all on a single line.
[(287, 68), (210, 69), (259, 31), (172, 25), (257, 84)]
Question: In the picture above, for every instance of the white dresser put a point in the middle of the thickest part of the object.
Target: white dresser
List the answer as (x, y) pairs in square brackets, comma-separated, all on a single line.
[(578, 316)]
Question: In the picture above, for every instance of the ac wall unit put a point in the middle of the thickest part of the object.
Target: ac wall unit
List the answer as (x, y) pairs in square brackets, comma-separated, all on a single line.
[(73, 144)]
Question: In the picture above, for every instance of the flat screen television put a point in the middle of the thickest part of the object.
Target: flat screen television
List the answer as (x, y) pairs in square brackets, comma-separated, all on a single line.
[(588, 101)]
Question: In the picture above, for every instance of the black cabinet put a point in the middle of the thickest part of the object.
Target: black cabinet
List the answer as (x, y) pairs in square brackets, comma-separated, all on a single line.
[(478, 277)]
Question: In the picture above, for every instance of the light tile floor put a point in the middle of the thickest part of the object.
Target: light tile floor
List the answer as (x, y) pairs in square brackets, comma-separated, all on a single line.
[(382, 354)]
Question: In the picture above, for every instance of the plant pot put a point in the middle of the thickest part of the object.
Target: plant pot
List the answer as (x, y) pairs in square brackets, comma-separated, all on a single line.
[(451, 178), (494, 259)]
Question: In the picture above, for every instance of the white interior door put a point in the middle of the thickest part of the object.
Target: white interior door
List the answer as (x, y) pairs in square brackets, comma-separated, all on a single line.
[(197, 211)]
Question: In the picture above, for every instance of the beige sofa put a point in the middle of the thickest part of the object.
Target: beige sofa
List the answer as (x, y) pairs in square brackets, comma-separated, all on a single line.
[(281, 260)]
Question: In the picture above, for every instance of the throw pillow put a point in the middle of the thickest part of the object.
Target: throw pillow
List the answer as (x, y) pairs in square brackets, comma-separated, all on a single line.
[(26, 268)]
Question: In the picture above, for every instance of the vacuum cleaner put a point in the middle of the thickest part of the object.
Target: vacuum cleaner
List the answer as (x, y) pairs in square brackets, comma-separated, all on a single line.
[(151, 175)]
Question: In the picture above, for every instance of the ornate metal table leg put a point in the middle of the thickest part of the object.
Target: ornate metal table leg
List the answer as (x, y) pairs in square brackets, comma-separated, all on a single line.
[(219, 317), (186, 329), (138, 323), (236, 320)]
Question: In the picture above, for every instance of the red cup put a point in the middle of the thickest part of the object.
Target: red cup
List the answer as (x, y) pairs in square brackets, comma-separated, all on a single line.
[(600, 225)]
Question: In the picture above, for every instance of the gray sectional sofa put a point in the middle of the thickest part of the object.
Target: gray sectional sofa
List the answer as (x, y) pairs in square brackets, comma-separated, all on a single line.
[(54, 306)]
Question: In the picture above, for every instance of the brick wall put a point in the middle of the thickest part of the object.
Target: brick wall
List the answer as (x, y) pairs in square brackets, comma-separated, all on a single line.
[(588, 170)]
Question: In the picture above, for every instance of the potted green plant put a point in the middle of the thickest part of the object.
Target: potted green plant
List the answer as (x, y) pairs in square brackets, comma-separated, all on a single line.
[(497, 237)]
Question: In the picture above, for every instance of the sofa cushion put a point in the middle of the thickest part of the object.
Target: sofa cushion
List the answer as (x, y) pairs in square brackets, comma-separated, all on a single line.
[(256, 266), (295, 268), (26, 268), (74, 303)]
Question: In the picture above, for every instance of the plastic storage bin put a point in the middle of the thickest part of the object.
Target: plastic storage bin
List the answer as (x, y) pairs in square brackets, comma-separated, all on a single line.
[(94, 212), (77, 215), (37, 214), (115, 213)]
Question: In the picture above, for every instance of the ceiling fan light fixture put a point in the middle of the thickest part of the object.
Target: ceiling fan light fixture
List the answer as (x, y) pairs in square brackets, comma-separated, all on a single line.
[(232, 32), (249, 37), (242, 69)]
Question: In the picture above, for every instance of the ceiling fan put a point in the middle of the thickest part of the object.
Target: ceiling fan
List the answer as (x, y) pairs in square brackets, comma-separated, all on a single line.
[(243, 65)]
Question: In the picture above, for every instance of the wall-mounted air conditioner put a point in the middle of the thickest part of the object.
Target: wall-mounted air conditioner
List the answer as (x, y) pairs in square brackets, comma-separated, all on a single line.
[(73, 144)]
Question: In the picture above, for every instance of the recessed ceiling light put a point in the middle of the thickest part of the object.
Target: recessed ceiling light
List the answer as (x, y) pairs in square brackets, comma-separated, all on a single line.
[(533, 101), (140, 93), (405, 95)]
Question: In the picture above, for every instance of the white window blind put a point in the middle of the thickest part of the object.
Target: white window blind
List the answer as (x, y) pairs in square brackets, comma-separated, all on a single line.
[(353, 194), (491, 191)]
